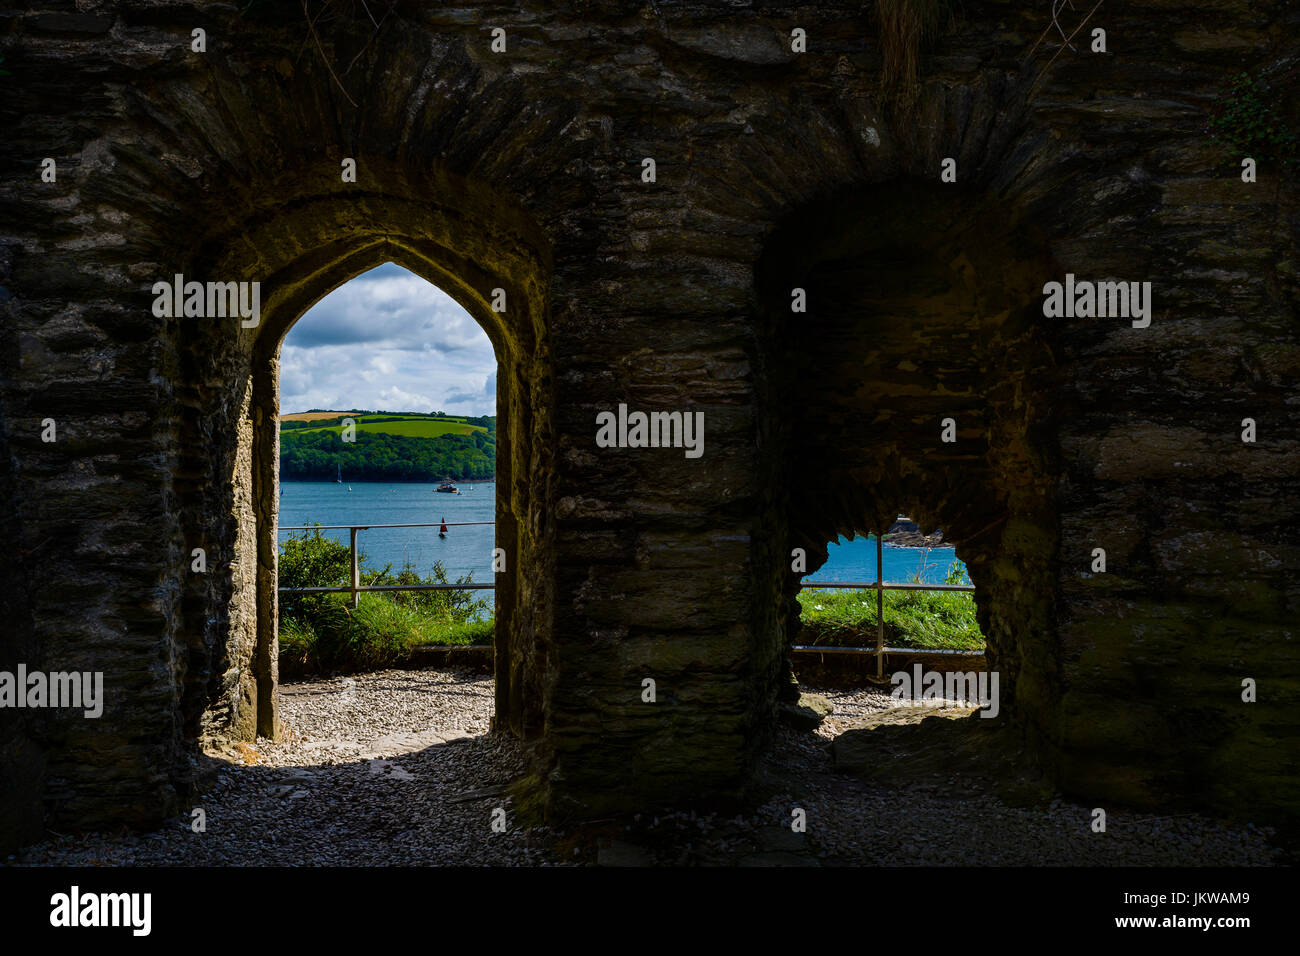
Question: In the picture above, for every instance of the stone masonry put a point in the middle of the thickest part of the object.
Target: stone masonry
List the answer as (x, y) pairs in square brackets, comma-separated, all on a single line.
[(774, 170)]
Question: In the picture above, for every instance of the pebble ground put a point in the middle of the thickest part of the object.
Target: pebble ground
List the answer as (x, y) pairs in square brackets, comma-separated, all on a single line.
[(398, 768)]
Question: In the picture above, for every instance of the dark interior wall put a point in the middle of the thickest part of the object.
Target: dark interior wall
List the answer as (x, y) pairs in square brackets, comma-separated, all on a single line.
[(22, 748)]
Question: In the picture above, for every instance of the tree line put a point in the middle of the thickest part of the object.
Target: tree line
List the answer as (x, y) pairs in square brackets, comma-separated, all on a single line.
[(487, 421), (375, 456)]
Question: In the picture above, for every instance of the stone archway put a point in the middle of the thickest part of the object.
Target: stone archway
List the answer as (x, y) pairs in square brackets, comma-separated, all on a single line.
[(306, 244), (922, 317)]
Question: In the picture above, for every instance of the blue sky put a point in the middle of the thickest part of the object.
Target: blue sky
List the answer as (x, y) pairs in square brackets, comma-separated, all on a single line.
[(389, 340)]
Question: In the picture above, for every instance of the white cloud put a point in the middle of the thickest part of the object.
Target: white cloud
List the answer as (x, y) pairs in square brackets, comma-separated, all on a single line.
[(388, 340)]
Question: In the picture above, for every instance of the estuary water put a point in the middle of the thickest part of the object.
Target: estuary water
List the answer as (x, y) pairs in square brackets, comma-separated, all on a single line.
[(468, 550), (465, 550)]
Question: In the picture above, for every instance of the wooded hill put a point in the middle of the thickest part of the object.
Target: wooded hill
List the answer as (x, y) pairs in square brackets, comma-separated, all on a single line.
[(389, 447)]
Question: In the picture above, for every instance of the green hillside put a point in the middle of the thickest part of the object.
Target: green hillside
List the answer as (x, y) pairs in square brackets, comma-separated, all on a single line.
[(421, 427), (389, 447)]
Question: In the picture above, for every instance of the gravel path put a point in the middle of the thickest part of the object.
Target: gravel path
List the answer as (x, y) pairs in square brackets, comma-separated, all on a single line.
[(358, 780), (398, 768)]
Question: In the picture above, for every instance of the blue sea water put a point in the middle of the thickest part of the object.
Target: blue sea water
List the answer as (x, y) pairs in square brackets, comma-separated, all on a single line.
[(856, 561), (465, 550), (468, 550)]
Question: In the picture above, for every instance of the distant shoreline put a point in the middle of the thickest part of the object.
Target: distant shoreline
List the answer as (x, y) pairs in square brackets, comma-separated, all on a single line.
[(391, 481)]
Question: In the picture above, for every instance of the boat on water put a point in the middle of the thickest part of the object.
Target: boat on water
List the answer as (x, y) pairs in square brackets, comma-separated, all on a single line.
[(442, 531), (447, 488), (339, 477)]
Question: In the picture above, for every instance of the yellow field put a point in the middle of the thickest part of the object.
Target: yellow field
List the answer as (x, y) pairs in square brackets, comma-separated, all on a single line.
[(312, 416)]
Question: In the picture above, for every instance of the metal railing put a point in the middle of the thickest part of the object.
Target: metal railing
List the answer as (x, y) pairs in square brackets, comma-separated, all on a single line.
[(357, 587), (880, 587)]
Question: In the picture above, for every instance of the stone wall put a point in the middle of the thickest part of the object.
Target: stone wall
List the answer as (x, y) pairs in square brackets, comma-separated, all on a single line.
[(523, 170)]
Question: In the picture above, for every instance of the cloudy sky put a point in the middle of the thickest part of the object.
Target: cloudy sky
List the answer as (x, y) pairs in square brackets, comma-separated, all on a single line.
[(388, 340)]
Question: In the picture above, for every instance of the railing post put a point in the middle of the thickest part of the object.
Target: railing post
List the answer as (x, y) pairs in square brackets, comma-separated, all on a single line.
[(356, 573), (880, 609)]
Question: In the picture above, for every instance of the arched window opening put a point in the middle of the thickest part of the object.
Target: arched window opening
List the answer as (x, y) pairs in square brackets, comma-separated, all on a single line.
[(388, 441)]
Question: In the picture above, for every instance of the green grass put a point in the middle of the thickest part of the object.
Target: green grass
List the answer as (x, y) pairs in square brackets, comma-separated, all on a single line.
[(378, 633), (386, 622), (411, 428), (929, 619)]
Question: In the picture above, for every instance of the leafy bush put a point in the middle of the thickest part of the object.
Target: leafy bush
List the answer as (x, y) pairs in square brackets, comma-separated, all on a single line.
[(956, 575), (308, 559)]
